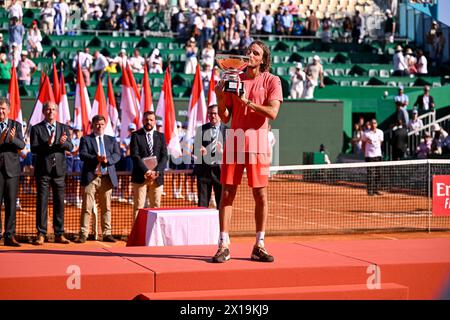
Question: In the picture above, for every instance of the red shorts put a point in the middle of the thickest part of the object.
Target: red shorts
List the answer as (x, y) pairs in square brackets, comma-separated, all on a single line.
[(257, 166)]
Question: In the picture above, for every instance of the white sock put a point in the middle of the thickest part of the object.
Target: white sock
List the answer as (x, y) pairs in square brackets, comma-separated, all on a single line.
[(224, 239), (260, 239)]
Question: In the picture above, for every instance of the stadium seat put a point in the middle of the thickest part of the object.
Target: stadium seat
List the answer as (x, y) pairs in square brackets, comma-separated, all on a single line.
[(339, 72), (384, 74), (392, 83), (373, 73)]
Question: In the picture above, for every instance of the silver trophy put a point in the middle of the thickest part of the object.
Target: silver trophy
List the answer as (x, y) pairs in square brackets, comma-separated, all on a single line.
[(232, 65)]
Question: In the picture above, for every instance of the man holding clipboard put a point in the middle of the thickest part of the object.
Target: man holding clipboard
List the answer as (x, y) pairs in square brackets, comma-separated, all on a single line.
[(149, 154)]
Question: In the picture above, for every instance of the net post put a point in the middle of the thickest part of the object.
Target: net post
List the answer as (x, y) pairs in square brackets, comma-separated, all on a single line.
[(429, 195)]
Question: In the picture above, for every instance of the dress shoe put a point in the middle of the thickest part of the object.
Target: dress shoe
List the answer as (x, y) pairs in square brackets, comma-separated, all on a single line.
[(11, 242), (61, 239), (39, 240), (80, 239), (109, 238)]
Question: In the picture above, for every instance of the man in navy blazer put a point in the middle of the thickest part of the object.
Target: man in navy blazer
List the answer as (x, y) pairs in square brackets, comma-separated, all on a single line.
[(147, 182), (11, 142), (50, 140), (99, 153)]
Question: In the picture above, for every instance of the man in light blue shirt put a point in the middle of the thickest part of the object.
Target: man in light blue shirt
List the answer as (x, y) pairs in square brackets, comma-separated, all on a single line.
[(268, 23)]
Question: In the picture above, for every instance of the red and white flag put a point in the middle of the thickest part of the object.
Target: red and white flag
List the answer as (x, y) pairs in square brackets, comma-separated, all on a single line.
[(63, 105), (111, 105), (14, 98), (166, 110), (45, 95), (146, 94), (82, 108), (56, 86), (128, 104), (197, 106), (212, 99), (99, 108)]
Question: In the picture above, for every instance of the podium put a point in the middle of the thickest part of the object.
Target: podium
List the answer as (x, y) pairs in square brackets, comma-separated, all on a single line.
[(175, 227)]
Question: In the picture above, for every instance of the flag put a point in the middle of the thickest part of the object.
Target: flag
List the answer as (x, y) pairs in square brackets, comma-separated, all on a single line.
[(166, 111), (14, 98), (63, 105), (99, 108), (212, 99), (56, 87), (197, 106), (128, 104), (111, 105), (45, 94), (82, 107), (146, 101)]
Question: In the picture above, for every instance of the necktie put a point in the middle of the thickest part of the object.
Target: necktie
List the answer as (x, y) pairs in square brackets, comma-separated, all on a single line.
[(102, 153), (52, 130), (150, 143), (213, 141), (2, 126)]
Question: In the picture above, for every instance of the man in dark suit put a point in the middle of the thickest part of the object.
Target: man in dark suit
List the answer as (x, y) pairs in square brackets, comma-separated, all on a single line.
[(11, 141), (399, 141), (208, 149), (99, 153), (49, 141), (425, 101), (147, 182)]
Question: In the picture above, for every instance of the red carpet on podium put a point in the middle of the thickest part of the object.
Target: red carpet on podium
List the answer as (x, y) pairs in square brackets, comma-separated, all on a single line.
[(356, 269)]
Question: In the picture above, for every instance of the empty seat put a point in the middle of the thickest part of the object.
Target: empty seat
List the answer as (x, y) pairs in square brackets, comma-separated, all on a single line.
[(384, 74), (373, 73), (339, 72)]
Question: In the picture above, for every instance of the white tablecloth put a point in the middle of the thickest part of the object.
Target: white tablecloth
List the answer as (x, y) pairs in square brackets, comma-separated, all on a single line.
[(175, 227)]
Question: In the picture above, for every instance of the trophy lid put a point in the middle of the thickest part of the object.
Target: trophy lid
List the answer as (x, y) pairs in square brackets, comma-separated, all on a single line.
[(229, 62)]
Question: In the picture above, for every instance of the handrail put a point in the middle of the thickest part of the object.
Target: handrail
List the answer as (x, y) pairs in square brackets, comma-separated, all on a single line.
[(428, 125)]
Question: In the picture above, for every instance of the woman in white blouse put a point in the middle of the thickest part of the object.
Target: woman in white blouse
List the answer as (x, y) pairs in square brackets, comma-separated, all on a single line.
[(34, 38)]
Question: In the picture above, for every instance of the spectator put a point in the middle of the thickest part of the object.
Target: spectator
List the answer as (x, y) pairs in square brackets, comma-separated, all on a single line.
[(257, 20), (137, 62), (155, 61), (299, 28), (15, 10), (298, 79), (191, 56), (268, 23), (347, 28), (143, 7), (421, 67), (399, 141), (16, 33), (292, 8), (326, 158), (440, 135), (209, 23), (110, 6), (47, 18), (401, 102), (62, 11), (85, 60), (415, 123), (126, 24), (287, 23), (326, 28), (425, 102), (5, 69), (25, 69), (410, 61), (101, 62), (314, 74), (245, 40), (400, 66), (14, 55), (438, 48), (3, 46), (208, 54), (424, 148), (357, 140), (357, 27), (372, 140), (430, 38), (111, 23), (389, 27), (312, 24), (234, 42), (121, 58), (34, 38)]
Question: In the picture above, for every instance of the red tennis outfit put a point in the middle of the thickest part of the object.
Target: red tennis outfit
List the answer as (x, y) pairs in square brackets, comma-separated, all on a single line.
[(246, 143)]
